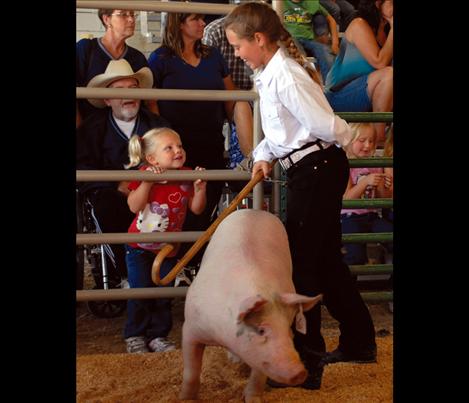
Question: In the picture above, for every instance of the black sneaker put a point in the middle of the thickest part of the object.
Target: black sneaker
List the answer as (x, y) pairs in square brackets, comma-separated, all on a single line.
[(312, 382), (361, 357)]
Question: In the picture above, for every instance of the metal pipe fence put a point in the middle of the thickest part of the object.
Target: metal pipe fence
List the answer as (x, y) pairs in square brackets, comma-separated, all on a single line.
[(206, 95)]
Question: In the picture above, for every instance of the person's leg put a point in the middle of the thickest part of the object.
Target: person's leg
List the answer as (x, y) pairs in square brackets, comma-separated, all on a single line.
[(315, 233), (321, 52), (355, 253), (383, 225), (380, 91), (147, 317), (161, 318), (138, 316)]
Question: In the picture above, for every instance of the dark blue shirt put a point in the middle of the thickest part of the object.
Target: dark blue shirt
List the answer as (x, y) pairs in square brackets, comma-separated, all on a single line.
[(101, 145), (199, 123)]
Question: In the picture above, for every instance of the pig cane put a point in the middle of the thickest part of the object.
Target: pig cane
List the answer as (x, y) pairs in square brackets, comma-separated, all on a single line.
[(155, 270)]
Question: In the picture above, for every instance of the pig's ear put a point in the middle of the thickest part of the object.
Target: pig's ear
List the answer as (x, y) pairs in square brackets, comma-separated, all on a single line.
[(249, 305), (306, 302)]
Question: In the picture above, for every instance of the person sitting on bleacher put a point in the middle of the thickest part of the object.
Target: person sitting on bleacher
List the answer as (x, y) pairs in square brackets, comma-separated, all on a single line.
[(102, 144), (361, 78), (310, 24), (364, 183)]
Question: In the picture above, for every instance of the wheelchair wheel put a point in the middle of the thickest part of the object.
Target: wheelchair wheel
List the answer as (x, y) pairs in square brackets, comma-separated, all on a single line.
[(80, 273), (107, 309), (80, 251)]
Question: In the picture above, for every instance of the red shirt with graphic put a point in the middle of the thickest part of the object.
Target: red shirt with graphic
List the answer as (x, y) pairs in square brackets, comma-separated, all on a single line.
[(165, 211)]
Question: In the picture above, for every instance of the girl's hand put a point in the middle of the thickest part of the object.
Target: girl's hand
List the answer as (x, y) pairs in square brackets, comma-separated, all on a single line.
[(388, 181), (156, 170), (263, 166), (199, 184), (374, 179)]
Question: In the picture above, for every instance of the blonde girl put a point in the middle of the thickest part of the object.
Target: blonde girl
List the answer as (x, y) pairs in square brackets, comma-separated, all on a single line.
[(160, 206), (366, 183)]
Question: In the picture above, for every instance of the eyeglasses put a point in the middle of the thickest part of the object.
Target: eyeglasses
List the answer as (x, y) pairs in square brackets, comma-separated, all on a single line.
[(126, 15)]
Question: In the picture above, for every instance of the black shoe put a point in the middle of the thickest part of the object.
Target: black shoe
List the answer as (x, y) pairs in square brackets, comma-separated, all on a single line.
[(312, 382), (361, 357)]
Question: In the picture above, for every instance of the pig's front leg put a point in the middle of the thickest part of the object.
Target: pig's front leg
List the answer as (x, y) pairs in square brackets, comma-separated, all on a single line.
[(192, 353), (255, 387)]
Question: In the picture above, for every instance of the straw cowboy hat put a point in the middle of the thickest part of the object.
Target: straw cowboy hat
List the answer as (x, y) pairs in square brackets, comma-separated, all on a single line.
[(115, 70)]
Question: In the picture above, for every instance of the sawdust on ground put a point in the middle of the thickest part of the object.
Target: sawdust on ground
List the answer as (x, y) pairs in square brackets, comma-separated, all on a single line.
[(105, 373)]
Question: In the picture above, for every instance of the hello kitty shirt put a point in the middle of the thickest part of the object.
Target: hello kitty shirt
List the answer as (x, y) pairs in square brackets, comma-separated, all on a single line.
[(165, 211)]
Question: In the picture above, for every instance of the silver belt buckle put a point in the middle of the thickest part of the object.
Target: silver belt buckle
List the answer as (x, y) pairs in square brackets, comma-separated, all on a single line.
[(284, 163)]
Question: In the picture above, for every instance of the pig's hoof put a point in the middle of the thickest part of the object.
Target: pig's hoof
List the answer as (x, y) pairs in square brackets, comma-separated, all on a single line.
[(253, 399), (187, 396)]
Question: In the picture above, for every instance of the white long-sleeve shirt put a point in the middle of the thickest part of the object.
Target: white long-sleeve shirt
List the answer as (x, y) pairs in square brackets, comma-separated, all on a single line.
[(294, 110)]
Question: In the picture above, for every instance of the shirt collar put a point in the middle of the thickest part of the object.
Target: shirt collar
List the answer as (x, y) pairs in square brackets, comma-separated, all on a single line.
[(267, 74)]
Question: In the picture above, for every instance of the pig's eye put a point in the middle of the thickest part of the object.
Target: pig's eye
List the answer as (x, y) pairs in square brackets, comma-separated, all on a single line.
[(261, 331)]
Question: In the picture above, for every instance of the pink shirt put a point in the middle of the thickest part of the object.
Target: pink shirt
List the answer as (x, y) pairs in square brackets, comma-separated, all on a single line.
[(356, 174)]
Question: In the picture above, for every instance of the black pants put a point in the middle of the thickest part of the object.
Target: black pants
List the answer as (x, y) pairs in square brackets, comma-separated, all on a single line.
[(113, 215), (315, 189)]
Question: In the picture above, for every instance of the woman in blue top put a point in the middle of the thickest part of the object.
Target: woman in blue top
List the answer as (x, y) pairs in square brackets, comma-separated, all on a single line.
[(94, 55), (361, 78), (184, 62)]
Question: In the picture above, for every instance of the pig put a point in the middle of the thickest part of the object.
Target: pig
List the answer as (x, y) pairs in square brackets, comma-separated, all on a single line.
[(243, 299)]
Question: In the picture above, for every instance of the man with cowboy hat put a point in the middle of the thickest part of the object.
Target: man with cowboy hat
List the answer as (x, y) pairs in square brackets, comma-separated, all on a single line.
[(102, 144)]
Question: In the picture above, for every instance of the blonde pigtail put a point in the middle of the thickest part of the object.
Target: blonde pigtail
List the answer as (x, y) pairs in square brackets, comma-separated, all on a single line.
[(135, 151), (293, 50)]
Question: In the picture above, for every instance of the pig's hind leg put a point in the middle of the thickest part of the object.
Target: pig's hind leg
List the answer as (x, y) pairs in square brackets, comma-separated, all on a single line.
[(255, 387), (192, 353)]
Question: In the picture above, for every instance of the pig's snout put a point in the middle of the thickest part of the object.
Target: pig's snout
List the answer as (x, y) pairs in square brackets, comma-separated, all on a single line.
[(292, 377), (299, 378)]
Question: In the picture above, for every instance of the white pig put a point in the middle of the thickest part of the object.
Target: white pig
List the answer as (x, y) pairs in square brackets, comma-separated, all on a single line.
[(243, 299)]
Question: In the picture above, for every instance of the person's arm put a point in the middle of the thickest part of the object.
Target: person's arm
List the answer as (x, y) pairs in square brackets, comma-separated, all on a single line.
[(334, 34), (198, 202), (388, 182), (356, 191), (263, 166), (243, 120), (360, 34), (242, 117), (138, 198), (229, 105), (123, 187)]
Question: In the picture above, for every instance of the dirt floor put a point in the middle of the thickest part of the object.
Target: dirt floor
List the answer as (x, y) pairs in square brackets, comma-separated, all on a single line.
[(106, 373)]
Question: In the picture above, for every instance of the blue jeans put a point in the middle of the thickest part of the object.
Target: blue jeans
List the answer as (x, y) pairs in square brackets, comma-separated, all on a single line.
[(321, 52), (236, 155), (149, 318), (356, 223)]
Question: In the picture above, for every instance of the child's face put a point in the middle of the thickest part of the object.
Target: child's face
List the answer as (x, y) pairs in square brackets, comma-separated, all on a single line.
[(365, 144), (248, 51), (169, 153)]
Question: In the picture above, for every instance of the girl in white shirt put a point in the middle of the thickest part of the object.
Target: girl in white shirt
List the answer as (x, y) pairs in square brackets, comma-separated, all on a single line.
[(302, 132)]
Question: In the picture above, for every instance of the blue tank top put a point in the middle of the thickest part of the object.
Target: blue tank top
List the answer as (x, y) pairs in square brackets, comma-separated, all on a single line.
[(348, 65)]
